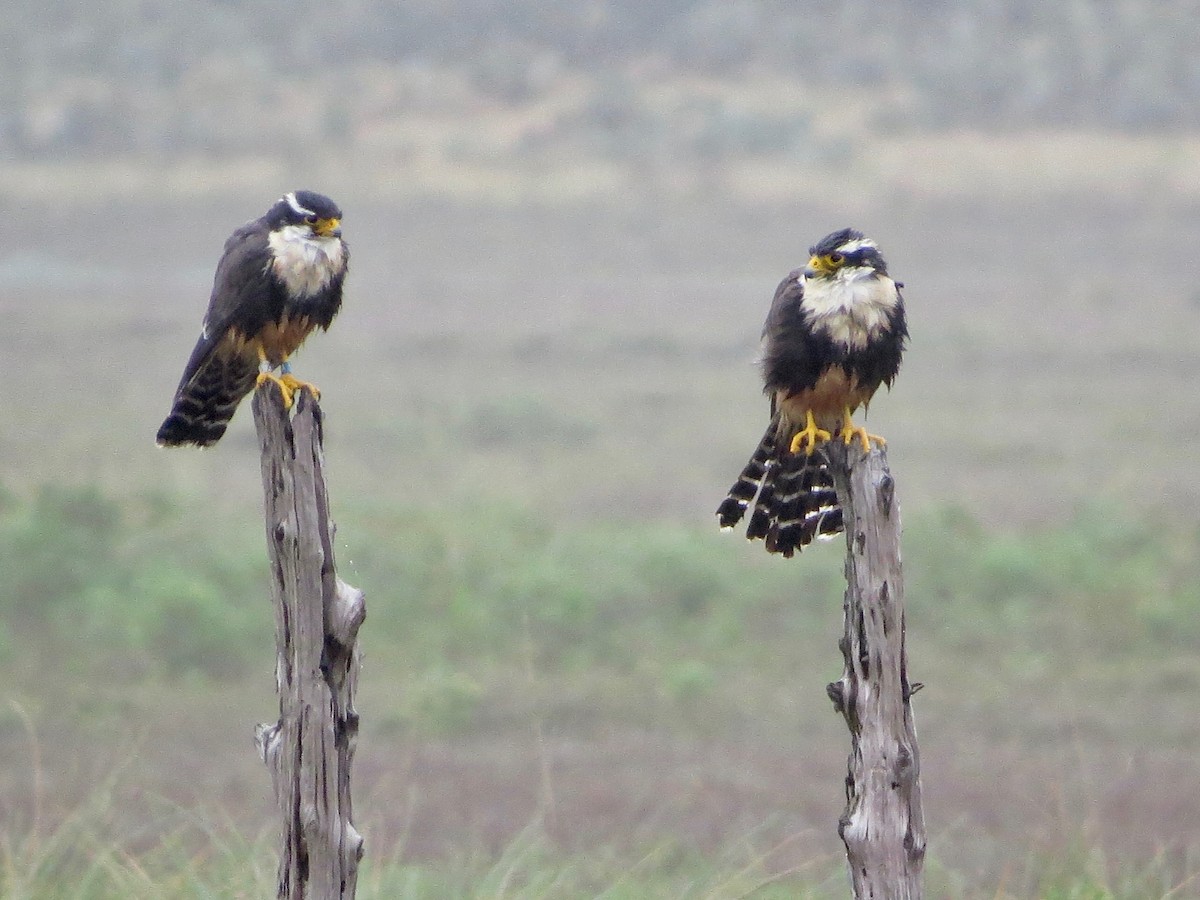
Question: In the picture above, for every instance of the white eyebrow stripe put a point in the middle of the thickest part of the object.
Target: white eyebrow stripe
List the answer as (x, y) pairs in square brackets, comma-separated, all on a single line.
[(851, 246), (290, 197)]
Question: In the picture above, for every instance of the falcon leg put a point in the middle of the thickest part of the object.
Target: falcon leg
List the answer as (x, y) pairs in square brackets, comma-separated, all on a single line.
[(810, 434), (849, 432), (265, 374)]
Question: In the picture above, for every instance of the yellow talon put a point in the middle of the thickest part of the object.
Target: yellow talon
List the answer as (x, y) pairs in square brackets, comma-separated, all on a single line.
[(296, 385), (810, 434), (850, 431), (288, 383), (287, 390)]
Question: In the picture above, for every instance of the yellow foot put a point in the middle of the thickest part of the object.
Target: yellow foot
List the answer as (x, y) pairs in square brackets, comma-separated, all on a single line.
[(810, 434), (296, 385), (287, 390), (288, 385), (850, 431)]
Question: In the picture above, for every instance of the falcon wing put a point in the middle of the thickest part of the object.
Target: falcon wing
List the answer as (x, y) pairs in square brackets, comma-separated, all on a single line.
[(785, 351), (787, 299), (241, 295)]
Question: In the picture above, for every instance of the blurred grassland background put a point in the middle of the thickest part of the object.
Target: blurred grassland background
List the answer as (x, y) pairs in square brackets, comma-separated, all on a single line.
[(567, 221)]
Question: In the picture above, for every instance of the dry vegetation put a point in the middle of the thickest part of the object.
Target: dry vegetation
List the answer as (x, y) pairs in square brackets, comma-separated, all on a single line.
[(532, 411)]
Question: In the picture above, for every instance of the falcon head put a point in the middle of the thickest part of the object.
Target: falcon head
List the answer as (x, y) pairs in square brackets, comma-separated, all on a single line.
[(307, 253), (846, 254), (308, 213)]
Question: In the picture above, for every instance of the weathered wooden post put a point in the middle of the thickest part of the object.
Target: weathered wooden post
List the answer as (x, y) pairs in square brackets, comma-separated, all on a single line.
[(317, 616), (883, 826)]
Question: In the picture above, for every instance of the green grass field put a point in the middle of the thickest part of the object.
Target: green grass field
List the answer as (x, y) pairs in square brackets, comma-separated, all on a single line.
[(574, 686)]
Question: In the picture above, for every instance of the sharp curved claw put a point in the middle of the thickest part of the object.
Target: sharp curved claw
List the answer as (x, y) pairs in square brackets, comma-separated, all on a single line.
[(295, 384), (288, 383), (850, 432), (285, 389), (811, 435)]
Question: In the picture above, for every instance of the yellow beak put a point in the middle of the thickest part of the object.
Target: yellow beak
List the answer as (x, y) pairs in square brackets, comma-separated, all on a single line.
[(818, 265), (328, 227)]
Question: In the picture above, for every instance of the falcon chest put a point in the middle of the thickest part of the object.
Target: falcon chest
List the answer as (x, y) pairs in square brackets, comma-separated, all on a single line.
[(850, 309), (309, 268), (305, 265), (848, 314)]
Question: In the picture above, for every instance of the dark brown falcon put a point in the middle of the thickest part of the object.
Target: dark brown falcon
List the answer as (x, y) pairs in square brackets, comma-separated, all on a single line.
[(835, 333), (279, 279)]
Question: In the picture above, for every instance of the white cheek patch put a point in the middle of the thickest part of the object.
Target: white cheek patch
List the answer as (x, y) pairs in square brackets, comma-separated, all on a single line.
[(852, 308), (304, 262)]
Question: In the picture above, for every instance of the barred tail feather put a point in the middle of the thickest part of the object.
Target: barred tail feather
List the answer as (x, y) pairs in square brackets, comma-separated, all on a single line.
[(794, 498), (805, 507), (731, 510), (204, 406)]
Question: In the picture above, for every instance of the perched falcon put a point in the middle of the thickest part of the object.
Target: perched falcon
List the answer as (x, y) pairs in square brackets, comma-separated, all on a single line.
[(835, 333), (279, 278)]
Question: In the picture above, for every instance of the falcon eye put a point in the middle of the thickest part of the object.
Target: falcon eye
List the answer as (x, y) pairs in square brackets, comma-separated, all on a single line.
[(310, 220), (836, 258)]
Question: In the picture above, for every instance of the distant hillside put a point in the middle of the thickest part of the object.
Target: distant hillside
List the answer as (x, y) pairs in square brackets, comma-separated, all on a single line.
[(173, 79)]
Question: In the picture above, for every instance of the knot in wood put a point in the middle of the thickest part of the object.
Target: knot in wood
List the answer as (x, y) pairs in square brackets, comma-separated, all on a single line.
[(266, 739), (885, 491), (843, 825), (352, 844), (837, 693), (915, 845), (347, 613)]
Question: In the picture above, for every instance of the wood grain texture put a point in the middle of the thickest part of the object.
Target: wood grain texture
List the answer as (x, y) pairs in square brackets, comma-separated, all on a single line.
[(883, 826), (309, 750)]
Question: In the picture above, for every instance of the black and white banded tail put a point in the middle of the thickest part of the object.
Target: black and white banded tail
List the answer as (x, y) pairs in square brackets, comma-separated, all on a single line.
[(796, 501), (206, 402)]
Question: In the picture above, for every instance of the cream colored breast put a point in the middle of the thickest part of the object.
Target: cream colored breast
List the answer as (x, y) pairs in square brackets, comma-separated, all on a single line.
[(305, 263), (850, 308)]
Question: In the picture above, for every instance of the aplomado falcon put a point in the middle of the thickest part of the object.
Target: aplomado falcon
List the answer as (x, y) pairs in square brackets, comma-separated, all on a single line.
[(835, 333), (279, 279)]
